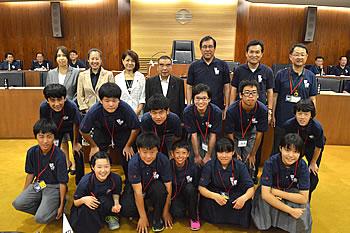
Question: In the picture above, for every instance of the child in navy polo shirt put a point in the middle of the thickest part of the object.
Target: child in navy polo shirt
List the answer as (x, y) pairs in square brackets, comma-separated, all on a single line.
[(165, 124), (114, 124), (66, 116), (46, 181), (96, 199), (311, 131), (184, 185), (226, 188), (150, 180), (282, 199), (202, 122), (246, 122)]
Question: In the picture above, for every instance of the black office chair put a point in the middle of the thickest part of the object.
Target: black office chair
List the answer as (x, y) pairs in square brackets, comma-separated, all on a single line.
[(330, 84), (277, 67), (183, 52), (232, 65)]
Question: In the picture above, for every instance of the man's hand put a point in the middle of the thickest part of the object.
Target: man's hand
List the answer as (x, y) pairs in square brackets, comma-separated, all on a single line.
[(198, 160), (168, 219), (206, 158), (59, 212), (142, 225), (239, 203), (116, 208), (77, 147), (251, 160), (93, 151), (91, 202), (296, 212), (313, 168), (220, 199), (128, 152)]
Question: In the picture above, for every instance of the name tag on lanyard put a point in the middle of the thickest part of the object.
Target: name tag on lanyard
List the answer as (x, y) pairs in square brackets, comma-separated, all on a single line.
[(292, 99), (205, 146), (242, 143)]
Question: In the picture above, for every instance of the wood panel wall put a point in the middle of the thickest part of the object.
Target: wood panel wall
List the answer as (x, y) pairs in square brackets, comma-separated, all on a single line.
[(154, 27), (281, 26), (104, 24)]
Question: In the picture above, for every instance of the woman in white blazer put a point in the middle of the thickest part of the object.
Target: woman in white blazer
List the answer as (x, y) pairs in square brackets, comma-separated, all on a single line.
[(90, 81), (64, 74), (132, 82)]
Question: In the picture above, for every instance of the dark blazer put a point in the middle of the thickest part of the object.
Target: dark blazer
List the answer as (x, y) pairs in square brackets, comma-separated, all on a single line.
[(14, 66), (176, 93), (46, 64)]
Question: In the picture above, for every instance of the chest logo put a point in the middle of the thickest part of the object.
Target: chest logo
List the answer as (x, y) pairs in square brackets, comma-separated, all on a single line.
[(120, 122), (52, 166)]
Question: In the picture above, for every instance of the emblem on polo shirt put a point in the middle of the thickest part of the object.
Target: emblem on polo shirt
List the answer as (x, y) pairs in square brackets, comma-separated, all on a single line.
[(189, 179), (52, 166), (120, 122), (65, 118), (155, 175)]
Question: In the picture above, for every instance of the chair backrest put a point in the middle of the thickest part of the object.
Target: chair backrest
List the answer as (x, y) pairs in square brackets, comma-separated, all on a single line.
[(232, 65), (277, 67), (330, 84), (14, 79), (183, 52), (20, 63)]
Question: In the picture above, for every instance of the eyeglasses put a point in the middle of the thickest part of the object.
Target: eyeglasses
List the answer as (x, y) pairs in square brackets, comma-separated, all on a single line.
[(299, 54), (249, 93), (201, 98), (207, 46)]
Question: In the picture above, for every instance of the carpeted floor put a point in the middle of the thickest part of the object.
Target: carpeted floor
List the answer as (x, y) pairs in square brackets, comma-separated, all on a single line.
[(330, 204)]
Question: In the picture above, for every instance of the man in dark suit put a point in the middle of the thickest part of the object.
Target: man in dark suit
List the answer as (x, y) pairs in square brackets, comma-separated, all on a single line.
[(168, 85), (10, 63), (40, 63)]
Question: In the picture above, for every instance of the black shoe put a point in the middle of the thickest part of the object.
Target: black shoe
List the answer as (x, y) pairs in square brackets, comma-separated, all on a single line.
[(158, 226)]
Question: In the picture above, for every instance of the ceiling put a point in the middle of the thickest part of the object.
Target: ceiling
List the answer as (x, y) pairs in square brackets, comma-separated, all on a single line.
[(336, 3)]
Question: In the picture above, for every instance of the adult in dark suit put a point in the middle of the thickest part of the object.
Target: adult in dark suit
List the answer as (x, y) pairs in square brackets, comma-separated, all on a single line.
[(74, 61), (168, 85), (40, 63), (10, 63), (341, 68)]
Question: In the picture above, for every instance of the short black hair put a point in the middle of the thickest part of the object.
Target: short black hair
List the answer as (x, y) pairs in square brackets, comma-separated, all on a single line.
[(206, 38), (44, 126), (73, 51), (55, 90), (293, 140), (9, 53), (147, 140), (99, 155), (305, 105), (255, 42), (165, 57), (64, 51), (342, 57), (39, 53), (94, 50), (298, 45), (134, 57), (319, 57), (109, 90), (157, 102), (224, 145), (201, 88), (248, 82), (180, 144)]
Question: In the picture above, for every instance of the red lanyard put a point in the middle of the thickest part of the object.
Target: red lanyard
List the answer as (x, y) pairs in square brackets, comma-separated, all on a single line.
[(204, 136), (163, 137), (42, 171), (175, 182), (61, 121), (227, 190), (292, 182), (144, 187), (292, 90), (109, 131), (302, 137), (244, 131)]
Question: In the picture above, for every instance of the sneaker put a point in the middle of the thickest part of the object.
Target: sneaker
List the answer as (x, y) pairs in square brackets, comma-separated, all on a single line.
[(158, 226), (195, 225), (113, 222)]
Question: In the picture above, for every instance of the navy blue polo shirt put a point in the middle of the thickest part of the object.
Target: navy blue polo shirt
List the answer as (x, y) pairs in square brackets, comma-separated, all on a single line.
[(15, 65), (257, 116), (263, 75), (337, 70), (140, 172), (78, 64), (90, 184), (215, 75), (217, 179), (123, 120), (276, 175), (312, 134), (46, 64), (56, 167), (191, 117), (315, 69), (306, 89), (181, 176), (65, 119), (171, 126)]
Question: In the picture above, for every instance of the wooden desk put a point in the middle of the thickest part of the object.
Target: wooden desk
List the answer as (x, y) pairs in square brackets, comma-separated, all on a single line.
[(178, 70), (32, 78), (20, 110)]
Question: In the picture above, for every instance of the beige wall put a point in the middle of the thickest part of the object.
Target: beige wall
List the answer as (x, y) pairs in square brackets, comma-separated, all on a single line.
[(154, 27)]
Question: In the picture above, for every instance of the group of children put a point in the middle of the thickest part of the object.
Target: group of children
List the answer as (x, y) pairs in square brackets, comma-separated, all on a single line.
[(208, 177)]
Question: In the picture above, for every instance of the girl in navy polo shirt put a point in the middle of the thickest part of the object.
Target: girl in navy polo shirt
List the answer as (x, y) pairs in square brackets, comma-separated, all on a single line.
[(96, 200), (202, 121), (226, 188), (282, 199), (184, 184), (311, 131)]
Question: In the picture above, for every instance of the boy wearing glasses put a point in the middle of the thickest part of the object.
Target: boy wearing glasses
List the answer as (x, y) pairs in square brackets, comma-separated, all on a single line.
[(246, 123), (202, 122), (114, 122), (211, 71)]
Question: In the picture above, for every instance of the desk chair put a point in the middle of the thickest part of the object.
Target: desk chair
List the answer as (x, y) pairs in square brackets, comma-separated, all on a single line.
[(183, 52)]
